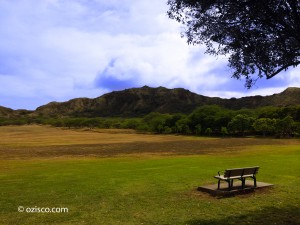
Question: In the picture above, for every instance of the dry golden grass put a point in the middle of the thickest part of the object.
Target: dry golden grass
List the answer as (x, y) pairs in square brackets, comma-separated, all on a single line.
[(33, 141), (35, 135)]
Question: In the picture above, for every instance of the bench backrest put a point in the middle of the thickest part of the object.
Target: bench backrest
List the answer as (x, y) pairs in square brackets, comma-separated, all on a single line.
[(241, 171)]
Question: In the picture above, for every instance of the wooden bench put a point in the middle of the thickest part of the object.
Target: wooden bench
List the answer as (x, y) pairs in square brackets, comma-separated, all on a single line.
[(237, 173)]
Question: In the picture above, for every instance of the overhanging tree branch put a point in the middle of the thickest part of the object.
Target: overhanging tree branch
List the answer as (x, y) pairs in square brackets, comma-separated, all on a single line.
[(262, 37), (269, 76)]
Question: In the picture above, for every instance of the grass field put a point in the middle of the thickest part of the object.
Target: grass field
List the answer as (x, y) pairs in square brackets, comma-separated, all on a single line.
[(121, 177)]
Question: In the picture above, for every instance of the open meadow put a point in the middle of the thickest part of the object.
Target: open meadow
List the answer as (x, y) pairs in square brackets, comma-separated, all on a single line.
[(123, 177)]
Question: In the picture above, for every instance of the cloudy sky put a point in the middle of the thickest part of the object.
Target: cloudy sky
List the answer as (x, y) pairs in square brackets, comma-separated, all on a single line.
[(56, 50)]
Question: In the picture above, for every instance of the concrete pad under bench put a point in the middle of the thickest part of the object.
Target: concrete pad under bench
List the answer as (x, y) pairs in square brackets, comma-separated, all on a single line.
[(236, 189)]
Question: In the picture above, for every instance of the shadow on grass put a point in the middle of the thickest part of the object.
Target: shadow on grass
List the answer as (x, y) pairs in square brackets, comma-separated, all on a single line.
[(266, 216)]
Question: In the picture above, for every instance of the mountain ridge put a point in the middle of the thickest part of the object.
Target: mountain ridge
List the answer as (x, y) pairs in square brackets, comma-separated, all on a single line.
[(141, 101)]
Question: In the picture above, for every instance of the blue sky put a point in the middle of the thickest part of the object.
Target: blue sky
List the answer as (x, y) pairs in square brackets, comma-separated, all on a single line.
[(56, 50)]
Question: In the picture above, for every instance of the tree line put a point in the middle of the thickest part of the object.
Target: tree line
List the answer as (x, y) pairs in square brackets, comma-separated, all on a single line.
[(217, 121), (210, 120)]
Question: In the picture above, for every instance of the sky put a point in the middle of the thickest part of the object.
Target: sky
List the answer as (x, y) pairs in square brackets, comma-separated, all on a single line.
[(57, 50)]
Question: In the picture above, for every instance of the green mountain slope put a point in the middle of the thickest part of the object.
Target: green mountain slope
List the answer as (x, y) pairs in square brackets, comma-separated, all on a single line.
[(140, 101)]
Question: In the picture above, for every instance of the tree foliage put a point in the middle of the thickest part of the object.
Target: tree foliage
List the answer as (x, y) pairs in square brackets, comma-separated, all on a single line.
[(285, 127), (210, 120), (265, 125), (240, 124), (262, 38), (224, 131)]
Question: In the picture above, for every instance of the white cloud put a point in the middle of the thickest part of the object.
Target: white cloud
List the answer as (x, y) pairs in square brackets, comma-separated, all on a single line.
[(294, 77), (267, 91), (57, 50)]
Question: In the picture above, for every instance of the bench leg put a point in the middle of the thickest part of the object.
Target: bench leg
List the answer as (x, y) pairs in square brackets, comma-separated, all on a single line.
[(219, 184), (254, 179), (243, 182), (230, 183)]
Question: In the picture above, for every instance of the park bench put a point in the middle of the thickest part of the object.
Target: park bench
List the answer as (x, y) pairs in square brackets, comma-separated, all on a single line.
[(237, 173)]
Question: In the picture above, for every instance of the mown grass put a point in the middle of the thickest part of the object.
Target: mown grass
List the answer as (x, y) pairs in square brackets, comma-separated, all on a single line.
[(150, 188)]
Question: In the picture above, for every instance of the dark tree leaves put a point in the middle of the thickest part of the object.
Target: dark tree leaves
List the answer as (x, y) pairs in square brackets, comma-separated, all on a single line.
[(261, 38)]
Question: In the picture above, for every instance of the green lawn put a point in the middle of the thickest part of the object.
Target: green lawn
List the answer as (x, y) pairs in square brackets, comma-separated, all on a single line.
[(150, 189)]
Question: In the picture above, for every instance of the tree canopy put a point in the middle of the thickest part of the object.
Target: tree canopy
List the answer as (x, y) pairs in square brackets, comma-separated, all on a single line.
[(261, 38)]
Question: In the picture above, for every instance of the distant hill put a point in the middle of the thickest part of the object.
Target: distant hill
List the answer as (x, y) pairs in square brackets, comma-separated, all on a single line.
[(5, 112), (289, 97), (141, 101), (130, 102)]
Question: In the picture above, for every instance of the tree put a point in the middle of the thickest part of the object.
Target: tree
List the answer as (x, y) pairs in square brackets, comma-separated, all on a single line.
[(131, 123), (261, 37), (297, 128), (265, 125), (224, 131), (157, 123), (240, 123), (208, 131), (182, 126), (167, 130), (90, 122), (206, 116), (172, 119), (198, 129), (285, 127), (73, 122)]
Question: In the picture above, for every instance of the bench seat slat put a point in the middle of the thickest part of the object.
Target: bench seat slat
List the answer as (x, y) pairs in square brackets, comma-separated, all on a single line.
[(226, 178)]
